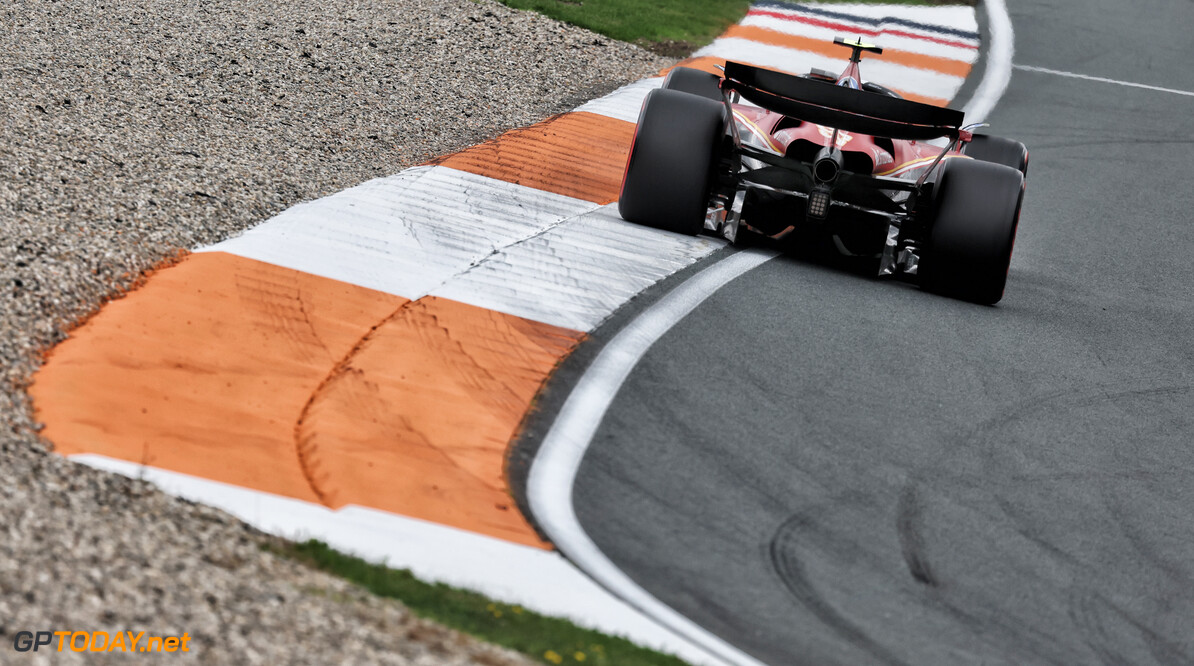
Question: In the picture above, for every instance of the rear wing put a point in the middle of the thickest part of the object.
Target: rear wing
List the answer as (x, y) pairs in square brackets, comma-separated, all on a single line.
[(841, 107)]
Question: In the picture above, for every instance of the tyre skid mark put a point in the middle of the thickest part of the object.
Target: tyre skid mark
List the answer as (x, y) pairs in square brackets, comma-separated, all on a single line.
[(790, 567), (909, 514)]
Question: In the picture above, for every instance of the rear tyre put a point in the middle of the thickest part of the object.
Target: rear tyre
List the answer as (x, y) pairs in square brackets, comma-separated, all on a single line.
[(670, 169), (694, 81), (969, 246), (1000, 151)]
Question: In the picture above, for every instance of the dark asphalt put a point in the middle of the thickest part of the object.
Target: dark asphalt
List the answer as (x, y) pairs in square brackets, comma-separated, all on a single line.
[(827, 469)]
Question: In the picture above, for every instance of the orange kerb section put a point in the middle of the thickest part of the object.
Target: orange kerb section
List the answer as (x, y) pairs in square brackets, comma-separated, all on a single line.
[(204, 370), (418, 420), (272, 379), (578, 154), (822, 47), (710, 63)]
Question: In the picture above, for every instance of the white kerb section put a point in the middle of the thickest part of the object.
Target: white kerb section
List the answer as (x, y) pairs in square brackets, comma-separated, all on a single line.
[(405, 234), (539, 580), (958, 17), (577, 273), (623, 103)]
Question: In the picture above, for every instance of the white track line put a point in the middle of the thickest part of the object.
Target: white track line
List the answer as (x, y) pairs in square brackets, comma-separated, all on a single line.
[(549, 487), (1072, 75), (998, 72), (554, 469)]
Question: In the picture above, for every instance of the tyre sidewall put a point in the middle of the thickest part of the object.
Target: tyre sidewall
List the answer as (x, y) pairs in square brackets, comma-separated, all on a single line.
[(670, 169), (695, 82), (998, 150), (969, 245)]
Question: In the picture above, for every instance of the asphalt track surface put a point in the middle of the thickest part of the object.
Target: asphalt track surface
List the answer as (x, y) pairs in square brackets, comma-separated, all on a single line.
[(827, 469)]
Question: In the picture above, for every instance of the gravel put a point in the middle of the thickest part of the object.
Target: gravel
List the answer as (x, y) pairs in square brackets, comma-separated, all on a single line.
[(132, 129)]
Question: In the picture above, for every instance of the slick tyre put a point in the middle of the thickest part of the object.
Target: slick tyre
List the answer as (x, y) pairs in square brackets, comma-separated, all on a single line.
[(694, 81), (999, 150), (969, 246), (670, 170)]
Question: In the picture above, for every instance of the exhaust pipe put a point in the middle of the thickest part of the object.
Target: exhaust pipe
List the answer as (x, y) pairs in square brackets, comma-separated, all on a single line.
[(827, 164)]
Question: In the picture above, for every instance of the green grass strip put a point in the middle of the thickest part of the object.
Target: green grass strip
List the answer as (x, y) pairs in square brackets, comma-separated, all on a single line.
[(547, 639), (680, 24), (671, 27)]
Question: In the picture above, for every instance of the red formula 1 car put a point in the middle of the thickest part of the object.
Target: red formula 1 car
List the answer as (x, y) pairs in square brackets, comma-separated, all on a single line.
[(761, 152)]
